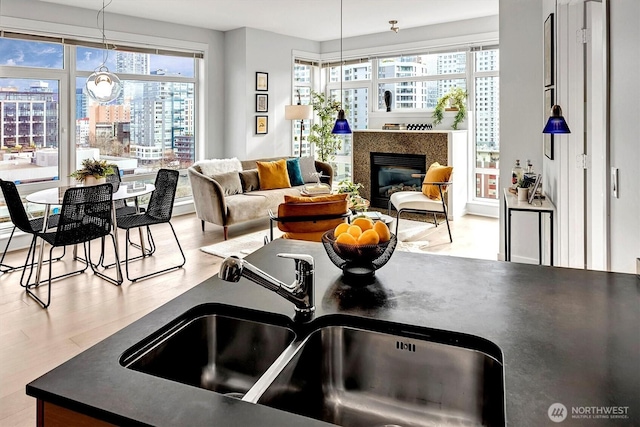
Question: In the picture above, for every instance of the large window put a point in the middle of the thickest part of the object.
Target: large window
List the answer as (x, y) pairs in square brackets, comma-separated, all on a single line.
[(487, 124), (356, 81), (303, 73), (417, 81), (49, 124), (151, 124)]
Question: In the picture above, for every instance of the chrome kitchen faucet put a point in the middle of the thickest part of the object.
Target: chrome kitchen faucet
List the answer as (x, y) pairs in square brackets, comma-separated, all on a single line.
[(300, 293)]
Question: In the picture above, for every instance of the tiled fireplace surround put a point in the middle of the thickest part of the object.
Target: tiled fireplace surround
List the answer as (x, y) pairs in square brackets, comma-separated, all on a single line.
[(437, 146)]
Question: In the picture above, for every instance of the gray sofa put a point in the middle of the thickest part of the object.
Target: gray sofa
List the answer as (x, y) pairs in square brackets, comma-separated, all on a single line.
[(215, 202)]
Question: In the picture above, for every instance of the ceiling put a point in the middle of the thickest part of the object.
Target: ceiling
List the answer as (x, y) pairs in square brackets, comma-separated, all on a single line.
[(317, 20)]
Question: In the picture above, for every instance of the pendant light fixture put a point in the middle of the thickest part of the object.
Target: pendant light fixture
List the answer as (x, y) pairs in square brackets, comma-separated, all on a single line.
[(102, 85), (342, 125), (556, 123)]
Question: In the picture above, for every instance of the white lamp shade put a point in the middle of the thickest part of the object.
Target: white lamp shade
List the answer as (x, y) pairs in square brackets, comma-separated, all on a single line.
[(298, 112)]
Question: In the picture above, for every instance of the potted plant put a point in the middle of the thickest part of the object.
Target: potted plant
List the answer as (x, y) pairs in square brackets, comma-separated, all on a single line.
[(523, 188), (93, 172), (454, 100), (355, 201), (326, 143)]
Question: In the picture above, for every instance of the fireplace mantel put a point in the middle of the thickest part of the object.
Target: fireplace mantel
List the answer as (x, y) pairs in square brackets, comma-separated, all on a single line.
[(444, 147)]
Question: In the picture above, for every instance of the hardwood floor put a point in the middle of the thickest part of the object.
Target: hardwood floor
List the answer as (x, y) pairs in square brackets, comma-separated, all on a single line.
[(86, 309)]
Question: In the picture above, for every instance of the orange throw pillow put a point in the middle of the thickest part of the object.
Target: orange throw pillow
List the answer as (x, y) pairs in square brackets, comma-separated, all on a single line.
[(273, 174), (436, 173), (315, 199)]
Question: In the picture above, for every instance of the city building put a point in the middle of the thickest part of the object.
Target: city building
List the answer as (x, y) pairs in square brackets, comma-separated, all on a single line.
[(29, 117)]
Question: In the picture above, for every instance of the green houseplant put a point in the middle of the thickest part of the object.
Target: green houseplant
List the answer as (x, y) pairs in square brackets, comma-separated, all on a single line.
[(96, 169), (455, 99), (355, 201), (326, 143)]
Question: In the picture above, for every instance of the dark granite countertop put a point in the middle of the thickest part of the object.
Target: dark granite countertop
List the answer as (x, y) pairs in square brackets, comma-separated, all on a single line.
[(568, 336)]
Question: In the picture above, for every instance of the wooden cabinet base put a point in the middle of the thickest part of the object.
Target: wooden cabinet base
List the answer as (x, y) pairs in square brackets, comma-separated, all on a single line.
[(50, 415)]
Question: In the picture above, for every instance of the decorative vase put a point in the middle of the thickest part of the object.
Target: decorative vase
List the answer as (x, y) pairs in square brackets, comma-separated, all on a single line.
[(92, 180), (523, 194)]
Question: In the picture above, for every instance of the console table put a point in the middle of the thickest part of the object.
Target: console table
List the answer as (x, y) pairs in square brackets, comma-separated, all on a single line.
[(539, 206)]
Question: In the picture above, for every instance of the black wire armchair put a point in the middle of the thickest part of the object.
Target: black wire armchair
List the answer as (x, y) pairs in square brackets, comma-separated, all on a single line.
[(159, 211), (85, 215)]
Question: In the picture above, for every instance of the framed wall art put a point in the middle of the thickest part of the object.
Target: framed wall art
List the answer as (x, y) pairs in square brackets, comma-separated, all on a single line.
[(262, 81), (262, 103), (536, 185), (262, 125), (549, 65), (548, 137)]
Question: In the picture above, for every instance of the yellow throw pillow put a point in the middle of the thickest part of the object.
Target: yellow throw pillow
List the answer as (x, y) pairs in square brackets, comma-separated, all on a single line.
[(436, 173), (273, 174)]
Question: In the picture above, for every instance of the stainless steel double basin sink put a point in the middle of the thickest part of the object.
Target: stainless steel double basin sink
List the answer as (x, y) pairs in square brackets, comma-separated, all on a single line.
[(343, 370)]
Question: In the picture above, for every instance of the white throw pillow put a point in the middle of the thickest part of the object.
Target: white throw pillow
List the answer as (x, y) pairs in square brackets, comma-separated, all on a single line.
[(217, 166), (308, 168)]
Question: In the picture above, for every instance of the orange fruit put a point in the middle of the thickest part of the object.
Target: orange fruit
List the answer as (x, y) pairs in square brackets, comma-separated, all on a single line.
[(346, 239), (341, 228), (354, 230), (369, 237), (363, 222), (382, 230)]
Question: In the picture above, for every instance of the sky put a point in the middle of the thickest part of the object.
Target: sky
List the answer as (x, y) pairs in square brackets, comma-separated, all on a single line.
[(23, 53)]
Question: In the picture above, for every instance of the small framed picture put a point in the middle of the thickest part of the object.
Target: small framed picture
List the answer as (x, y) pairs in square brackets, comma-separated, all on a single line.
[(262, 81), (549, 65), (548, 137), (262, 125), (262, 103), (536, 185)]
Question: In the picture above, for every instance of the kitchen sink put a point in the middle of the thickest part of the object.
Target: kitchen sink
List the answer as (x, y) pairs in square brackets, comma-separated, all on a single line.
[(343, 370), (215, 351), (355, 377)]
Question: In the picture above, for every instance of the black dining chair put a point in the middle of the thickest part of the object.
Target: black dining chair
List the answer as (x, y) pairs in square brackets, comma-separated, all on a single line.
[(122, 208), (159, 211), (85, 215), (21, 221)]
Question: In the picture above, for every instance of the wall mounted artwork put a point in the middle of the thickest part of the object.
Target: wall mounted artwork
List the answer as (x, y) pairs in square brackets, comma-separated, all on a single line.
[(262, 125)]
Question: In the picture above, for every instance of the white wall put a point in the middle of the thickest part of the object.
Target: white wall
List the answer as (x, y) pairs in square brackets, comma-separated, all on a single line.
[(521, 100), (625, 132), (450, 33), (249, 51)]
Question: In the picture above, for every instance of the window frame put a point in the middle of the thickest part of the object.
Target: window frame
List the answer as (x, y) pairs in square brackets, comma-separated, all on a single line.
[(375, 111), (66, 78)]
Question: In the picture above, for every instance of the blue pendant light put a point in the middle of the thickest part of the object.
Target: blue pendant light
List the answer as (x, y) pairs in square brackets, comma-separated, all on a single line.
[(556, 123), (342, 125)]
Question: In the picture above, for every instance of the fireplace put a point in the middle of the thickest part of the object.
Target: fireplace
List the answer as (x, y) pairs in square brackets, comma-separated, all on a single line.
[(391, 172)]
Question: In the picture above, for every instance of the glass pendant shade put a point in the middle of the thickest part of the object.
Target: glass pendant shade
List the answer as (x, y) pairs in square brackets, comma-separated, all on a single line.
[(103, 86), (342, 125), (556, 123)]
